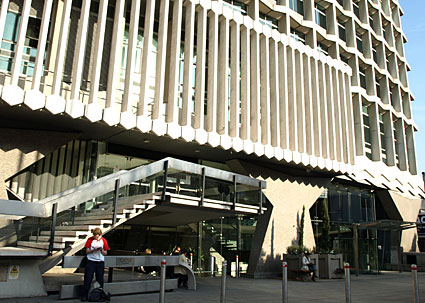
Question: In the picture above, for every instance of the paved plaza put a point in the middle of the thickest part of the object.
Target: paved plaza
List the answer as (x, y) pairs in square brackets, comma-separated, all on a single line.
[(386, 287)]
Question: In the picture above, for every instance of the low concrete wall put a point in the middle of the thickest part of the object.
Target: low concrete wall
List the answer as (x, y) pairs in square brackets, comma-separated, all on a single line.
[(21, 278)]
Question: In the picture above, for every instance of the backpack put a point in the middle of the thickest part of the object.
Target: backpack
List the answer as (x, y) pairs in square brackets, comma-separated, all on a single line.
[(99, 295)]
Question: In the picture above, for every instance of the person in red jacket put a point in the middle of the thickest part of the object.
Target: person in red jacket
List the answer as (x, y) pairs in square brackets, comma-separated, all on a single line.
[(96, 250)]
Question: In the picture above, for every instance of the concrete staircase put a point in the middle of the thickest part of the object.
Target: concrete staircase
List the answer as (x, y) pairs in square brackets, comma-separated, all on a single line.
[(68, 235)]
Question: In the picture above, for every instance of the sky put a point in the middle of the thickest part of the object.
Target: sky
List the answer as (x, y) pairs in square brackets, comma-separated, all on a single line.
[(413, 25)]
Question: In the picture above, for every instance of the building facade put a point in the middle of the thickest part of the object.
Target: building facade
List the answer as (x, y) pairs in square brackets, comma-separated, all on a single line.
[(311, 96)]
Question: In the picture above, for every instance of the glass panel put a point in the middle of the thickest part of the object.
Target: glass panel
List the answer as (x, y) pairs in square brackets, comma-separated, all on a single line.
[(246, 194), (218, 190)]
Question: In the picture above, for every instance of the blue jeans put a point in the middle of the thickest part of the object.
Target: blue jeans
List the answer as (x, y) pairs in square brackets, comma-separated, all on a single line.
[(91, 268)]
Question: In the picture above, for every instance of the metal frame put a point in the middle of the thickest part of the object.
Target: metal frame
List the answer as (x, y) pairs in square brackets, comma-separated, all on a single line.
[(101, 186)]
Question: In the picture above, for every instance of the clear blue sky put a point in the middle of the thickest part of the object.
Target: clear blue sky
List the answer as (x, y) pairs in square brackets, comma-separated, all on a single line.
[(413, 24)]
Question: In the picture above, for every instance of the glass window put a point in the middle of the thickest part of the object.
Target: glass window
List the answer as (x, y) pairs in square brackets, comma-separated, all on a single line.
[(397, 157), (341, 30), (297, 6), (378, 88), (382, 137), (362, 74), (323, 48), (366, 131), (10, 38), (359, 40), (356, 8), (320, 15), (269, 21), (297, 35), (236, 6)]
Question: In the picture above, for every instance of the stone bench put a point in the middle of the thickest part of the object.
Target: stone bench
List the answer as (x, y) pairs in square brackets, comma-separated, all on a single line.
[(119, 288)]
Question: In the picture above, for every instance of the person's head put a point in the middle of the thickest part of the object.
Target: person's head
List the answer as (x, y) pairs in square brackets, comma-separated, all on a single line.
[(183, 251), (307, 253), (97, 232), (148, 251)]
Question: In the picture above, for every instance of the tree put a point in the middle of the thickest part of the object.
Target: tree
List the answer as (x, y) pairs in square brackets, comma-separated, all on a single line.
[(301, 240), (325, 241)]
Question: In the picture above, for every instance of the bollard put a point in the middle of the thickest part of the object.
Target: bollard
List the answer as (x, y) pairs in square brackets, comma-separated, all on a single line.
[(414, 268), (347, 283), (191, 260), (284, 282), (223, 282), (237, 267), (212, 266), (162, 282)]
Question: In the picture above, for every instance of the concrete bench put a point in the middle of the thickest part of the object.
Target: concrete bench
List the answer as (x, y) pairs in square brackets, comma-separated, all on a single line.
[(116, 288)]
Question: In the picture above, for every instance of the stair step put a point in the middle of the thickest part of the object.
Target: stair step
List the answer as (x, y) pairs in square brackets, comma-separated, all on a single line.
[(90, 221), (83, 228), (41, 245), (67, 233), (57, 239)]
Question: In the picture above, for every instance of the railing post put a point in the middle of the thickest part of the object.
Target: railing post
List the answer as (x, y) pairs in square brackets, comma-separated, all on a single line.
[(284, 282), (414, 268), (347, 283), (162, 281), (164, 186), (52, 229), (237, 267), (223, 282), (116, 194), (191, 260), (212, 265), (234, 192), (261, 198), (73, 215), (110, 274), (201, 201)]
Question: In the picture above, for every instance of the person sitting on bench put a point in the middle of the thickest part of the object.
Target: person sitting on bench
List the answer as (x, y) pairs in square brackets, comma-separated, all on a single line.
[(309, 266)]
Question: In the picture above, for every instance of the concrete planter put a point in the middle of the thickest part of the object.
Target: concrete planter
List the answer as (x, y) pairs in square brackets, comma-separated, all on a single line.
[(295, 262), (331, 266)]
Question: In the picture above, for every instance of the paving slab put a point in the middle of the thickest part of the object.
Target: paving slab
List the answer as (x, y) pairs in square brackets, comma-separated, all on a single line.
[(386, 287)]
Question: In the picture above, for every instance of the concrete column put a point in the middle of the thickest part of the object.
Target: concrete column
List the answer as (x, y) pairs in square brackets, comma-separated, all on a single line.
[(292, 107), (315, 108), (212, 71), (245, 83), (223, 76), (186, 114), (200, 67), (115, 61), (234, 78), (350, 119), (337, 114), (283, 96), (79, 54), (343, 116), (255, 87), (173, 80), (330, 112), (131, 57), (265, 89), (308, 106), (323, 109), (401, 144), (411, 153), (97, 61), (158, 104), (274, 94), (145, 72)]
